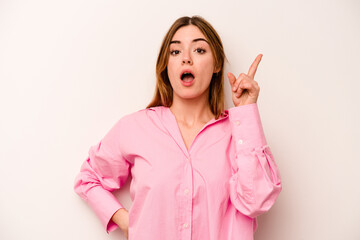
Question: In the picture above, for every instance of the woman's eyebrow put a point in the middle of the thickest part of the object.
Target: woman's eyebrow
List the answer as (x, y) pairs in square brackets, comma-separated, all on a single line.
[(195, 40), (199, 39)]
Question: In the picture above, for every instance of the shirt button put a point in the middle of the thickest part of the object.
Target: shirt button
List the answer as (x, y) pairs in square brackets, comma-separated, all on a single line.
[(186, 225), (237, 122), (240, 141), (186, 191)]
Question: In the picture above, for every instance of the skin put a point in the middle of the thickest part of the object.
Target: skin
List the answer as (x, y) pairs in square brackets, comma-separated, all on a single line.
[(190, 103), (189, 50), (245, 90), (121, 218)]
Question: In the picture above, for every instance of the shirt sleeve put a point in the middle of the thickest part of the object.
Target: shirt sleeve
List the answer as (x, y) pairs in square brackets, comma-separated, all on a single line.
[(103, 171), (255, 183)]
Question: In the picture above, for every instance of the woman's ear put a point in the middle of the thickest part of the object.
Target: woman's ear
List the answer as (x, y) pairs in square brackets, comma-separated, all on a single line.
[(217, 69)]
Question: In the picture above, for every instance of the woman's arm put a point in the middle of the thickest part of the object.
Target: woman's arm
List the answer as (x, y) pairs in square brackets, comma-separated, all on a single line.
[(256, 183), (104, 171), (121, 218)]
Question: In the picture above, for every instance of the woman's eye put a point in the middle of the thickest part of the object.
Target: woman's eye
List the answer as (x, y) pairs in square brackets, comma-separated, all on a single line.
[(200, 50), (174, 52)]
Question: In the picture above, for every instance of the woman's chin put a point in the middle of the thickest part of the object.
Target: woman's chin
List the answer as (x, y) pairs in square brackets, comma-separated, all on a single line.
[(189, 95)]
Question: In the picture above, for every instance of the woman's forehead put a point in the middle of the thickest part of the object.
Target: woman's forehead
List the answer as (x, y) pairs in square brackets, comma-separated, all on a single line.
[(188, 34)]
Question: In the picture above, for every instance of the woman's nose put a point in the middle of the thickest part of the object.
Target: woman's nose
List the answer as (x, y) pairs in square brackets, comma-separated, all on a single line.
[(187, 59)]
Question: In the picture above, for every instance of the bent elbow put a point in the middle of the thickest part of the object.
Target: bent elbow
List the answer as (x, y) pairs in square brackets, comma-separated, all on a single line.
[(263, 204), (253, 204)]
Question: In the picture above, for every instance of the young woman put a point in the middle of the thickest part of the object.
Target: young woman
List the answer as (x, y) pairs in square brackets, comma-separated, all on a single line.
[(198, 171)]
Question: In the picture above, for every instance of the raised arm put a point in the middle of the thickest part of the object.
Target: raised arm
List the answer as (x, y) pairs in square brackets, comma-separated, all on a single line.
[(255, 183)]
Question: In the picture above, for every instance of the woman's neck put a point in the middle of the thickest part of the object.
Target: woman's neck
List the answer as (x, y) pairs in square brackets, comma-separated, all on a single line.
[(191, 111)]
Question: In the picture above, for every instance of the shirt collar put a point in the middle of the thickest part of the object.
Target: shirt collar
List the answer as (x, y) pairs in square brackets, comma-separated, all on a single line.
[(168, 120), (166, 112)]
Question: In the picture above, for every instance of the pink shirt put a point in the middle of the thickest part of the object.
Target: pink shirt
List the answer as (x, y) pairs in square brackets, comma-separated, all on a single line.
[(213, 190)]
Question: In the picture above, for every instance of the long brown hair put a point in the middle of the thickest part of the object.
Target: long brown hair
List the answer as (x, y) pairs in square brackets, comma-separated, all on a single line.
[(164, 93)]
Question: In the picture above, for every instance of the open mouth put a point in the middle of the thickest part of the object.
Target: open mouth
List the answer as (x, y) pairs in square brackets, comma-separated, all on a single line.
[(187, 77)]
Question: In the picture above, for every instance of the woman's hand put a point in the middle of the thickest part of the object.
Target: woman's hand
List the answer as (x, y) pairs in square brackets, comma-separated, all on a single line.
[(121, 218), (245, 90)]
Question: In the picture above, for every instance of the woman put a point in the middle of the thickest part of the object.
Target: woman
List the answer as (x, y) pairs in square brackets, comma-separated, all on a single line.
[(198, 171)]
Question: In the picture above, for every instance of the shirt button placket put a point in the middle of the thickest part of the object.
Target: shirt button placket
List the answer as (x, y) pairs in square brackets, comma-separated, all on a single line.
[(187, 200)]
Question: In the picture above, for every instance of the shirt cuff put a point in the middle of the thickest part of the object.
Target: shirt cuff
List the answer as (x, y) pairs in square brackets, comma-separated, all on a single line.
[(104, 205), (247, 129)]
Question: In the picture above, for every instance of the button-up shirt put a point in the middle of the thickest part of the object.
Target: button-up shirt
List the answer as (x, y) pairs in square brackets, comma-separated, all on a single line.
[(212, 191)]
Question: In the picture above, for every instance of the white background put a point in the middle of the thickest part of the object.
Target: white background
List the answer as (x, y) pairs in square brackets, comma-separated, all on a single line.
[(70, 69)]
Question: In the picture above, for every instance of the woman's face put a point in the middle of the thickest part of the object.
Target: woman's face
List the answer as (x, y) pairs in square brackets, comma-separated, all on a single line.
[(191, 63)]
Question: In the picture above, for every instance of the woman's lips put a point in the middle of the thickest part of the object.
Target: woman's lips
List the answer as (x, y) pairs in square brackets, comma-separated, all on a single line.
[(187, 77)]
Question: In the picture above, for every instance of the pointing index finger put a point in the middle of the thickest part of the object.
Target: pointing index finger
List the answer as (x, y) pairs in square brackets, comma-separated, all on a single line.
[(254, 66)]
